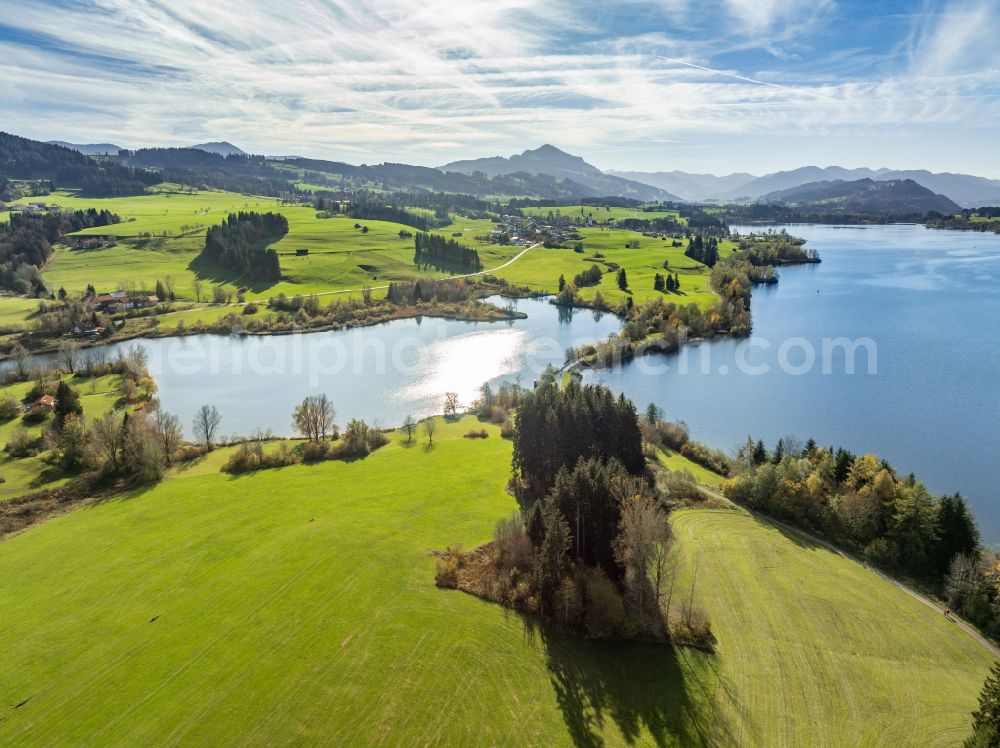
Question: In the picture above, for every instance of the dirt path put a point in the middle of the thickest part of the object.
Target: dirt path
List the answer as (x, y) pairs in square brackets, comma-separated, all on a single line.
[(966, 627)]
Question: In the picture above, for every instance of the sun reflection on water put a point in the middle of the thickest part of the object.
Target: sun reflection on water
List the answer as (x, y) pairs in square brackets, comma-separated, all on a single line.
[(462, 363)]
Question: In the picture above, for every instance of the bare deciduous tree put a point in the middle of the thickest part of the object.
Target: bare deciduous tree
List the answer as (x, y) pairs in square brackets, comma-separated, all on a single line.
[(206, 423), (109, 439), (69, 355), (450, 404), (314, 417), (23, 367), (642, 527), (197, 286), (168, 432), (409, 426), (430, 426)]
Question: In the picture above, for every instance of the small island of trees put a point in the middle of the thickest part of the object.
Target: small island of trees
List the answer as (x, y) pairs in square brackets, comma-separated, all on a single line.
[(241, 245)]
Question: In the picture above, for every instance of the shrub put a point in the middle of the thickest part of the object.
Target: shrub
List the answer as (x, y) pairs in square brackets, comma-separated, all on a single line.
[(679, 486), (448, 563), (315, 451), (37, 414), (507, 429), (481, 434), (714, 459), (9, 408), (190, 452), (22, 444), (361, 439), (604, 617), (250, 308), (692, 629), (514, 548), (672, 434), (251, 456)]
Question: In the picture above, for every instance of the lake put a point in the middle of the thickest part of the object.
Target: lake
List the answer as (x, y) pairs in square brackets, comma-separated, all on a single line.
[(380, 374), (919, 308), (928, 300)]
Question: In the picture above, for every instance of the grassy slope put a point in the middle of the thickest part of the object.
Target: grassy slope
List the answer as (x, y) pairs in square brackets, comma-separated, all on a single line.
[(676, 461), (816, 650), (29, 474), (542, 267), (340, 256), (298, 606)]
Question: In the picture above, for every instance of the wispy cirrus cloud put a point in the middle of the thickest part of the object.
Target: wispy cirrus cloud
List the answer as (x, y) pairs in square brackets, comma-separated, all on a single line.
[(432, 80)]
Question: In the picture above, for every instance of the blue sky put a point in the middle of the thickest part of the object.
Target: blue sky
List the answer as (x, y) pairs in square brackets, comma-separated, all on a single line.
[(700, 85)]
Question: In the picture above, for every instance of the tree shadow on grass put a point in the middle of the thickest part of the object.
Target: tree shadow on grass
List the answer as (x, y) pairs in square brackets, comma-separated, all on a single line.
[(794, 536), (650, 692), (211, 273)]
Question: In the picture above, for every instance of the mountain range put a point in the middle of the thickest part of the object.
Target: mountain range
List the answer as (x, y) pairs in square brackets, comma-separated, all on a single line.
[(549, 172), (222, 147), (89, 149), (549, 160), (966, 190), (891, 197)]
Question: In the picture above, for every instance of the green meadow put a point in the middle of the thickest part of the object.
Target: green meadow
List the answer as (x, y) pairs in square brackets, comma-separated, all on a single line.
[(676, 461), (542, 267), (815, 649), (162, 234), (298, 606), (28, 474)]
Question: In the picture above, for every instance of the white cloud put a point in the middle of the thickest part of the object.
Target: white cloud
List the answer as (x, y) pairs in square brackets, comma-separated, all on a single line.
[(432, 80), (962, 37)]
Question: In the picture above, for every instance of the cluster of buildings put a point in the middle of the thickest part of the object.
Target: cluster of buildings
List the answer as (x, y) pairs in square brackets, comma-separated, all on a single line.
[(523, 231), (32, 208), (119, 301)]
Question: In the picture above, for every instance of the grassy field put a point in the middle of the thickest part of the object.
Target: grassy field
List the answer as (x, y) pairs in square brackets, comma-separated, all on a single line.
[(340, 256), (298, 606), (16, 310), (24, 475), (542, 267), (162, 234), (676, 461), (813, 649)]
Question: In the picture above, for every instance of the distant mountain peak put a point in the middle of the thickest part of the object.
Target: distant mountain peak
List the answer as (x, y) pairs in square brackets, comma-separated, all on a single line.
[(89, 149), (554, 162), (222, 147), (546, 148)]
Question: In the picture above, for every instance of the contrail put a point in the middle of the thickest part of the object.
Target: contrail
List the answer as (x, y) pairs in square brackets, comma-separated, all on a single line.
[(720, 72)]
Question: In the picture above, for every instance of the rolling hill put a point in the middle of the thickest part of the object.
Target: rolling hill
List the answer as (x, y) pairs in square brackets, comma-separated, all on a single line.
[(298, 606), (897, 197), (965, 189), (687, 186), (221, 147), (89, 149), (549, 160)]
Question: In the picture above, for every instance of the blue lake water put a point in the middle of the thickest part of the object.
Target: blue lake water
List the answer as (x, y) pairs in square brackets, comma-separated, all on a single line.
[(924, 307), (380, 374), (930, 302)]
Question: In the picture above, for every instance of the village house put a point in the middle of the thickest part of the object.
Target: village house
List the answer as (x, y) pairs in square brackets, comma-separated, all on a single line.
[(45, 402), (118, 301)]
